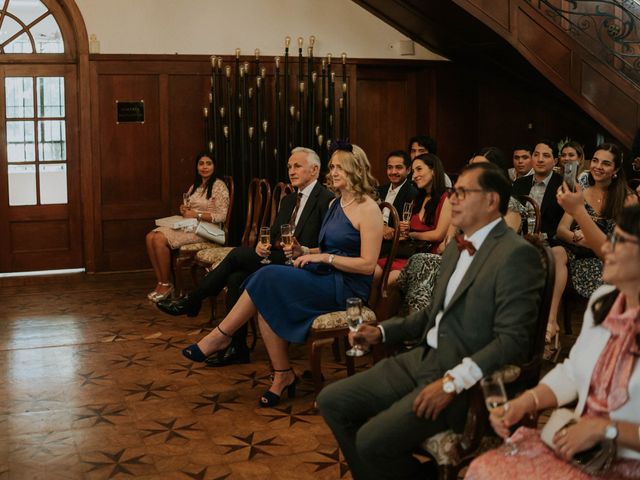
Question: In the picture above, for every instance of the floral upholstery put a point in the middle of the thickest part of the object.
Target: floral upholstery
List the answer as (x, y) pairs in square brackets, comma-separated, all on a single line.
[(212, 256), (443, 447), (196, 247), (338, 319)]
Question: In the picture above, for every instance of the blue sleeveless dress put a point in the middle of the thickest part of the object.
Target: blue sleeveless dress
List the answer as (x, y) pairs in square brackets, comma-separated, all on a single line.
[(290, 298)]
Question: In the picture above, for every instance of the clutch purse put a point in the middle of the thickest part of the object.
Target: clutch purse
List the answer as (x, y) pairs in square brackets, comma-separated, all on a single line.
[(594, 461), (210, 232)]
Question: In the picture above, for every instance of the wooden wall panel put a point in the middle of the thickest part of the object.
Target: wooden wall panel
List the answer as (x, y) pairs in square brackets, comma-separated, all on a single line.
[(386, 112), (43, 236), (130, 170)]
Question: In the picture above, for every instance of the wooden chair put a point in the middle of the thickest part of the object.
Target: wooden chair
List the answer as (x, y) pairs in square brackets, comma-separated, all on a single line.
[(453, 451), (328, 327), (530, 204), (184, 256), (280, 190), (258, 201)]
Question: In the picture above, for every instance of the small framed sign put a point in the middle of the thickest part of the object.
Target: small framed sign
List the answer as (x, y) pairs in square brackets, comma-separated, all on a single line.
[(129, 111)]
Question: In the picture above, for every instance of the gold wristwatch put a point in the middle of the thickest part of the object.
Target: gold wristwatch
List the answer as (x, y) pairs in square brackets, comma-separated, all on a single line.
[(448, 385)]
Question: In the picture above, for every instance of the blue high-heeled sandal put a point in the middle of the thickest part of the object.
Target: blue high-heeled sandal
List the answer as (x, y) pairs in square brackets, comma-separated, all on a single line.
[(195, 354), (270, 399)]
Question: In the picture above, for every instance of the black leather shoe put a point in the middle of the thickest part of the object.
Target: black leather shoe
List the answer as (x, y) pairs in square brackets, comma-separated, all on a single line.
[(231, 356), (179, 307)]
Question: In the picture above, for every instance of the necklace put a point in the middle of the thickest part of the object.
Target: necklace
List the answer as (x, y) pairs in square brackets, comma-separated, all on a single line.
[(345, 205)]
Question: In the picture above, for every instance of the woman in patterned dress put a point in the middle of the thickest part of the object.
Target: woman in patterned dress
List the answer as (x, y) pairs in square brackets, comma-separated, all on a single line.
[(574, 260), (208, 201), (602, 373)]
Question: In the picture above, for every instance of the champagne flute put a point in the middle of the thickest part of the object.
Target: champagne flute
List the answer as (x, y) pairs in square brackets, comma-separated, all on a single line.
[(286, 237), (495, 398), (265, 240), (354, 320), (407, 211)]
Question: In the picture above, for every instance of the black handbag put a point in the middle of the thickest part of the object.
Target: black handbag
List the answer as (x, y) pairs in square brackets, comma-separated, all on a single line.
[(407, 248)]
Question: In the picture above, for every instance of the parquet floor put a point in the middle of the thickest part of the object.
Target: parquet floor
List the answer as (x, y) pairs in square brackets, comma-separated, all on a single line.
[(93, 386)]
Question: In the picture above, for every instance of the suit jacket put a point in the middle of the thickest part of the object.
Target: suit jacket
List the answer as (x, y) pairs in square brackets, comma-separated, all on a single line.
[(407, 193), (572, 378), (550, 211), (308, 227), (491, 316)]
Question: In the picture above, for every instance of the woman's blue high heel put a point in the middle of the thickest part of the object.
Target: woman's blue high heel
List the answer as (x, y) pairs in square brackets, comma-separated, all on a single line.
[(195, 354), (270, 399)]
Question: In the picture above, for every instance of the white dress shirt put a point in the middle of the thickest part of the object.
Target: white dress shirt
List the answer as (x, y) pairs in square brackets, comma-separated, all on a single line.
[(539, 188), (392, 193), (306, 191)]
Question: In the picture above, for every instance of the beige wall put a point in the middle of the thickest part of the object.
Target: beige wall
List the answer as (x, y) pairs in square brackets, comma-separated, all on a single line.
[(221, 26)]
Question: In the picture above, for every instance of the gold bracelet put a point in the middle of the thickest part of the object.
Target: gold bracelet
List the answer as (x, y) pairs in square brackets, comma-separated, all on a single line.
[(536, 402)]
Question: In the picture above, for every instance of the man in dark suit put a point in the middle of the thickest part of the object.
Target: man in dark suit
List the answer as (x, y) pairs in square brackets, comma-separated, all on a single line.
[(398, 191), (305, 208), (542, 186), (483, 316)]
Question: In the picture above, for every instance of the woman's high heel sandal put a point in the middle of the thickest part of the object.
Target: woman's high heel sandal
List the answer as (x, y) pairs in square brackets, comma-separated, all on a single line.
[(195, 354), (157, 297), (270, 399)]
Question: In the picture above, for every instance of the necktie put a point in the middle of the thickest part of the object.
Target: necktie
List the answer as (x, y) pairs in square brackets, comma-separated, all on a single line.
[(292, 220), (465, 245)]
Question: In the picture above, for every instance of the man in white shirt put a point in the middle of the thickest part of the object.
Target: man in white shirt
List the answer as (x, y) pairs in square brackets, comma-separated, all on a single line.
[(483, 315), (399, 190), (522, 162)]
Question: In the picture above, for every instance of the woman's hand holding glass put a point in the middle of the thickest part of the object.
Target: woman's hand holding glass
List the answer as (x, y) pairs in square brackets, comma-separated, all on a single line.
[(263, 247), (496, 400), (510, 414), (404, 230)]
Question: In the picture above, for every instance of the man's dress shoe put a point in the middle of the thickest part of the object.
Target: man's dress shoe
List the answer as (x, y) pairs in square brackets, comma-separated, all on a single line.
[(231, 356), (179, 307)]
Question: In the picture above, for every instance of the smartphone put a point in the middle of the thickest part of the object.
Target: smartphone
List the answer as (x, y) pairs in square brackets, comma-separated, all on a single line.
[(570, 174)]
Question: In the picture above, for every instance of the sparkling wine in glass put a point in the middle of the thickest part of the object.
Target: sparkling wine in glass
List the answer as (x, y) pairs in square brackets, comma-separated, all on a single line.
[(407, 210), (286, 237), (495, 398), (354, 320), (186, 200), (265, 240)]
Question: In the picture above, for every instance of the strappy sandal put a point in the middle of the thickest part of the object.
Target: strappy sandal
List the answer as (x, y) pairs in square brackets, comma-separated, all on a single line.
[(195, 354), (270, 399)]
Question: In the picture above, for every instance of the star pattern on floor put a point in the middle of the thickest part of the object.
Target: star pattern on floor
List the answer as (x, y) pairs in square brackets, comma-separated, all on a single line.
[(216, 402), (171, 429), (48, 445), (201, 475), (187, 369), (90, 378), (101, 414), (253, 378), (168, 343), (148, 390), (333, 458), (118, 461), (126, 361), (292, 418), (254, 446)]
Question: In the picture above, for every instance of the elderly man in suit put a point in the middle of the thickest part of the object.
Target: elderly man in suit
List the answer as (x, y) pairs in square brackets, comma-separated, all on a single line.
[(542, 186), (483, 316), (304, 208)]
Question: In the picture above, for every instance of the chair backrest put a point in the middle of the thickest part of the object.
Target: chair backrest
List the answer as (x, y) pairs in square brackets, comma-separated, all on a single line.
[(280, 190), (228, 180), (633, 185), (393, 215), (259, 198), (531, 369), (531, 205)]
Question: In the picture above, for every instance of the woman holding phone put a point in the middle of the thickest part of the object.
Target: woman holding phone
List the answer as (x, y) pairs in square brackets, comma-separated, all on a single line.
[(574, 260)]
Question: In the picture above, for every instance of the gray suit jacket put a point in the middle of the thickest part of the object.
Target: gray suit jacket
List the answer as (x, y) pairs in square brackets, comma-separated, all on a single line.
[(491, 316)]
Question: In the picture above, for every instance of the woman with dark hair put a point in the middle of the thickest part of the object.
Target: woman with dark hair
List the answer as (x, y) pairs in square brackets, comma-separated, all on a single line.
[(287, 299), (208, 200), (602, 373), (574, 260)]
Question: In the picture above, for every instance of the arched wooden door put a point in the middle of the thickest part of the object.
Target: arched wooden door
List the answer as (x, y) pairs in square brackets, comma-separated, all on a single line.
[(40, 214)]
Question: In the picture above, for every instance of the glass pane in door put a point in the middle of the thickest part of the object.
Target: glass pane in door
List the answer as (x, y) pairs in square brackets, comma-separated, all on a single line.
[(22, 185), (21, 145), (19, 97), (52, 140), (50, 96), (53, 183)]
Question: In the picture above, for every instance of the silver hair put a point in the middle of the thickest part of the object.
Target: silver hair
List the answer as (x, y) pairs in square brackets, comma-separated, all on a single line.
[(312, 156)]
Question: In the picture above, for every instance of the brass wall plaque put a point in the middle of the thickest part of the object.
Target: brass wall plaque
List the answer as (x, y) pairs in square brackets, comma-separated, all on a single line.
[(129, 111)]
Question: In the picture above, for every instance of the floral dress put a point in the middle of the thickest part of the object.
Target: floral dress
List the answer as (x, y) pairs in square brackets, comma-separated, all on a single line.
[(585, 272), (217, 206)]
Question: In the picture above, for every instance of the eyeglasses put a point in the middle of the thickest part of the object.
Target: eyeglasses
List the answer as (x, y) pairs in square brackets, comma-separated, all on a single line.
[(614, 238), (461, 192)]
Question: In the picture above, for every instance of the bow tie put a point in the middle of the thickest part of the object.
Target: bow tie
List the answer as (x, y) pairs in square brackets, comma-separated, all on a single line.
[(465, 245)]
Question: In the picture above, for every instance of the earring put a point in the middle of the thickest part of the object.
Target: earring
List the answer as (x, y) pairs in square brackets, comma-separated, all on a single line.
[(615, 175)]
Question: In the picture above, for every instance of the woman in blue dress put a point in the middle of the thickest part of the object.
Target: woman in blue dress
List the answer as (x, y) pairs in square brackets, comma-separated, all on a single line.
[(287, 299)]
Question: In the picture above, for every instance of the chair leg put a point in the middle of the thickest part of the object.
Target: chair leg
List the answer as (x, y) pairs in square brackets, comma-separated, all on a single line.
[(447, 472), (349, 361), (566, 314), (336, 349), (315, 358)]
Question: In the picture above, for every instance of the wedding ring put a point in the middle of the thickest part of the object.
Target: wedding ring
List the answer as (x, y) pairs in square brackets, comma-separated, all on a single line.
[(563, 432)]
